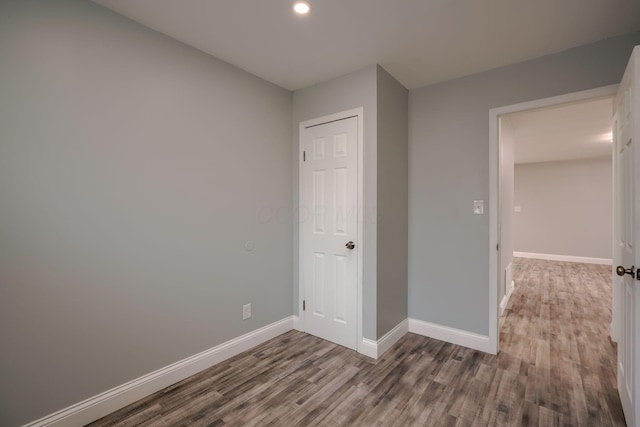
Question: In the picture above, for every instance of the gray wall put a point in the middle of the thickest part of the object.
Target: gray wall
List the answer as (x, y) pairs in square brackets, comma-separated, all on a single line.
[(506, 202), (566, 208), (357, 89), (392, 202), (133, 169), (449, 168), (385, 103)]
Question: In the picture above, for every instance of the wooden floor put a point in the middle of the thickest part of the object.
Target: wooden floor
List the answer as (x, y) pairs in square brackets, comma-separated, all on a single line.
[(556, 367)]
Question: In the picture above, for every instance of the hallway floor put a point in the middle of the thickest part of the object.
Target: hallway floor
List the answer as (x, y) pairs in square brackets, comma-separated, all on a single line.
[(557, 323)]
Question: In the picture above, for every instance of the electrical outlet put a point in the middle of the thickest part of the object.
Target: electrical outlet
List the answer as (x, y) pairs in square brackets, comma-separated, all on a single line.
[(246, 311)]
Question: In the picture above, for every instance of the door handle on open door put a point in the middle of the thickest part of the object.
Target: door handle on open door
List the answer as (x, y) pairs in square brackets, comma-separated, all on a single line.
[(350, 245), (621, 271)]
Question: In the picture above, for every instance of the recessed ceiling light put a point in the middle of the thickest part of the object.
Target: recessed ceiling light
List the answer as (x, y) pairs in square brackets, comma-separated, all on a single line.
[(301, 7)]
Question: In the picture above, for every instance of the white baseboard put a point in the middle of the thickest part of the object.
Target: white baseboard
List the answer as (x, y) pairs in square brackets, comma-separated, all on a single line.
[(375, 349), (103, 404), (566, 258), (508, 280), (297, 324), (506, 297), (392, 337), (369, 348), (503, 303), (451, 335)]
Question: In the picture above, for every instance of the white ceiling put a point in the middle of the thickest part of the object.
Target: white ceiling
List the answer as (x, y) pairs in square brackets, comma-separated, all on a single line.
[(574, 131), (420, 42)]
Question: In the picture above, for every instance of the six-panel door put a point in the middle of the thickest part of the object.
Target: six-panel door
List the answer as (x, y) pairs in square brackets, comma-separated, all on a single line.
[(328, 218)]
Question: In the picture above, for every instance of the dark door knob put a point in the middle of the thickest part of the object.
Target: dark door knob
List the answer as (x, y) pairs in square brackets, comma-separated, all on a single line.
[(350, 245), (621, 271)]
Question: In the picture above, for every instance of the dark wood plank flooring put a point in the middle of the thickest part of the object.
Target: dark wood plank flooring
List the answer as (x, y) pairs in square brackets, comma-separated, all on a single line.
[(556, 367)]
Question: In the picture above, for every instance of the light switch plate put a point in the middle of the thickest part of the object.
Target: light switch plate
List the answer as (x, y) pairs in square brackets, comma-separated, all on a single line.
[(517, 209), (478, 207)]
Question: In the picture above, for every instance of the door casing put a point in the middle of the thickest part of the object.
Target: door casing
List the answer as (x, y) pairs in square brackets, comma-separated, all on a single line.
[(359, 113)]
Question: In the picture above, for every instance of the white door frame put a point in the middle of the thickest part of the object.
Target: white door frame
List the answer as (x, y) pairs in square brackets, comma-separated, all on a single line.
[(494, 190), (359, 113)]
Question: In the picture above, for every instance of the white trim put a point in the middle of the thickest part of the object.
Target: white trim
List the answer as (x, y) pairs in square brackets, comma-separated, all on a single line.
[(494, 164), (361, 238), (296, 324), (118, 397), (369, 348), (509, 285), (375, 349), (506, 297), (393, 336), (494, 230), (567, 258), (359, 113), (451, 335), (616, 298)]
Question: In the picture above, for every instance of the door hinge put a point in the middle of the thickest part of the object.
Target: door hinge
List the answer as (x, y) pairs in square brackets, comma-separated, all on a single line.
[(497, 246), (304, 305), (304, 156)]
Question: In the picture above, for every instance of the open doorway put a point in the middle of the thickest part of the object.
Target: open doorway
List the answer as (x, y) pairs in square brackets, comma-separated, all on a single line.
[(554, 212), (619, 377), (556, 188), (501, 249)]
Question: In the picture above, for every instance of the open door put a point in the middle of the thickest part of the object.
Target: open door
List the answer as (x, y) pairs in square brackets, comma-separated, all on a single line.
[(627, 234)]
